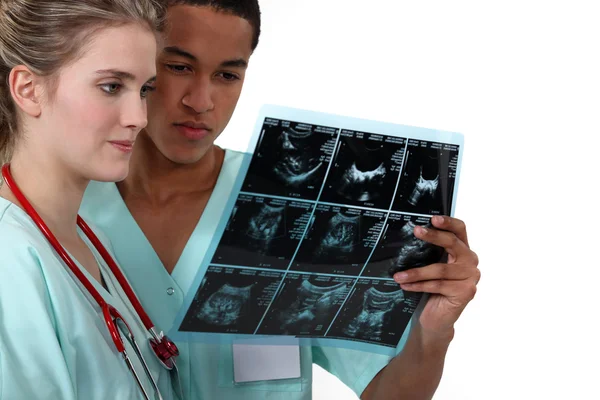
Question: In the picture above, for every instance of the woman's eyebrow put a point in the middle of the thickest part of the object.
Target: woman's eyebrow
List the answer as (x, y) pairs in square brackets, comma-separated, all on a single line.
[(126, 76)]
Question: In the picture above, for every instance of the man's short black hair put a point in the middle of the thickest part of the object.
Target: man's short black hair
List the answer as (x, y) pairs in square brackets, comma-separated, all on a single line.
[(246, 9)]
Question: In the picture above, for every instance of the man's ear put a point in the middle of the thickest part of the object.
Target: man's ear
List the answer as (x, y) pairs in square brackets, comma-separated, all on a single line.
[(25, 90)]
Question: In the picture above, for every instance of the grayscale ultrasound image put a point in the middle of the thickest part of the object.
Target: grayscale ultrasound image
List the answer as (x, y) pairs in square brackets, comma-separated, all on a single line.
[(263, 232), (305, 305), (338, 240), (427, 180), (364, 170), (231, 300), (377, 311), (291, 159), (399, 249)]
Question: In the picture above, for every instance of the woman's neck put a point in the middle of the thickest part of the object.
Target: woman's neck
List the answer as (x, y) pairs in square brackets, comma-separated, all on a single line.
[(53, 191)]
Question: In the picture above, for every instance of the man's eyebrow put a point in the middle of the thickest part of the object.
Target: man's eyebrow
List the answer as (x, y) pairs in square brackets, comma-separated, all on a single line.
[(126, 76), (180, 52), (237, 63)]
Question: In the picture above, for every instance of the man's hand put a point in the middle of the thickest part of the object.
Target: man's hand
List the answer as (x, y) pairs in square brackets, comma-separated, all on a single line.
[(416, 372), (452, 285)]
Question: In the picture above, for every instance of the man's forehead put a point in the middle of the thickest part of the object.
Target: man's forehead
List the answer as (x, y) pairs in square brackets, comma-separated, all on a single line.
[(197, 25)]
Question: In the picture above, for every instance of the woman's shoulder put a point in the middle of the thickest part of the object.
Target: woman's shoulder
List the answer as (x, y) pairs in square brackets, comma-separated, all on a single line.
[(25, 258), (17, 230), (21, 244)]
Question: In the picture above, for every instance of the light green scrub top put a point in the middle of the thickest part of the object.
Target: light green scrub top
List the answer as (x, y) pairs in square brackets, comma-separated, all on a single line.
[(54, 343), (207, 369)]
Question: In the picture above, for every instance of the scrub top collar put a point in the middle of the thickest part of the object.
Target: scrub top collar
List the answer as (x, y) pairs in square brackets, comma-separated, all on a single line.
[(196, 247)]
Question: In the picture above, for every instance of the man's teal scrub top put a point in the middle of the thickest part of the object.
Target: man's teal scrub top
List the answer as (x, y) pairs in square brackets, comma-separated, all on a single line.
[(206, 369)]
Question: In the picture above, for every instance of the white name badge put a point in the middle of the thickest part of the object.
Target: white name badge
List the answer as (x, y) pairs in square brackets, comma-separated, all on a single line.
[(254, 362)]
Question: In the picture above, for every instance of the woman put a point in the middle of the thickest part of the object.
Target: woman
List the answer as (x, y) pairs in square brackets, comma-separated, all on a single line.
[(74, 76)]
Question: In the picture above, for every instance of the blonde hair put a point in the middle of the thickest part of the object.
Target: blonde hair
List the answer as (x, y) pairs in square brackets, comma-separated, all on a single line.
[(46, 35)]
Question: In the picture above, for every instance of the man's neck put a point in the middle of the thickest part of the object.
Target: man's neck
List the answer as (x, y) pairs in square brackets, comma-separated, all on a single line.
[(158, 180)]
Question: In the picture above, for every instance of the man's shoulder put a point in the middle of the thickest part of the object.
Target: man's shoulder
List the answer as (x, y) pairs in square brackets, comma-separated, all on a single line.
[(233, 161), (96, 187), (233, 157), (97, 194)]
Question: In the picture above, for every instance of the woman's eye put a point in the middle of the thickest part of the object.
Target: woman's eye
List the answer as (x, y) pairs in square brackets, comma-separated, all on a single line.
[(110, 88)]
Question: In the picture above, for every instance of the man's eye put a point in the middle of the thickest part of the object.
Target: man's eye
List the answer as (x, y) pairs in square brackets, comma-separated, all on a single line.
[(178, 69), (229, 76), (146, 90)]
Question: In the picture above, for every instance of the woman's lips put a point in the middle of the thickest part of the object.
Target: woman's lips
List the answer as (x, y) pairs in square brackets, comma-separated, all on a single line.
[(125, 146)]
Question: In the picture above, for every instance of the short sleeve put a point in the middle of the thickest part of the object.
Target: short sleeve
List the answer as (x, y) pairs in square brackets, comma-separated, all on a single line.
[(356, 369), (32, 365)]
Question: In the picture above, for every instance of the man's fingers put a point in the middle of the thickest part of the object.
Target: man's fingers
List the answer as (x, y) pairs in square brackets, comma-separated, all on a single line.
[(463, 290), (453, 225), (448, 240), (439, 271)]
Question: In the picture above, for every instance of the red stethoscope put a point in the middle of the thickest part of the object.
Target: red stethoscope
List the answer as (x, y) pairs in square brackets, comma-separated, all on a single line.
[(164, 349)]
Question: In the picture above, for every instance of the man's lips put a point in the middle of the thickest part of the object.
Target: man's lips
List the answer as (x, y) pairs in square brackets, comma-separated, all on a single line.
[(193, 130)]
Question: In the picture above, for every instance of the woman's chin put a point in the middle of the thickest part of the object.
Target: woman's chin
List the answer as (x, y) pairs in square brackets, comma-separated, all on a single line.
[(113, 175)]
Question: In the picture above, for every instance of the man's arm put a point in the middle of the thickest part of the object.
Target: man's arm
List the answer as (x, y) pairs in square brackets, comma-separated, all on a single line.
[(416, 372)]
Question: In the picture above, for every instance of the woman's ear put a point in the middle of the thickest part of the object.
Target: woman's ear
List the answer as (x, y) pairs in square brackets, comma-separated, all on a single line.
[(25, 90)]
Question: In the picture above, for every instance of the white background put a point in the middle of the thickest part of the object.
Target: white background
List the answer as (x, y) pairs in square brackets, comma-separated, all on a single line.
[(521, 81)]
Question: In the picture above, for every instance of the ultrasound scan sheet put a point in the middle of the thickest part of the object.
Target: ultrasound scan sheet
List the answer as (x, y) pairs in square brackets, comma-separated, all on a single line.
[(322, 215)]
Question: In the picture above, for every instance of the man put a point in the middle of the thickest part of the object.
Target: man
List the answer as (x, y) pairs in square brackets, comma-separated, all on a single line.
[(161, 219)]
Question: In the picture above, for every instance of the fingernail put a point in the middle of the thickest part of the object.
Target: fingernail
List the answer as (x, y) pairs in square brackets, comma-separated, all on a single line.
[(438, 219), (401, 277), (421, 230)]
